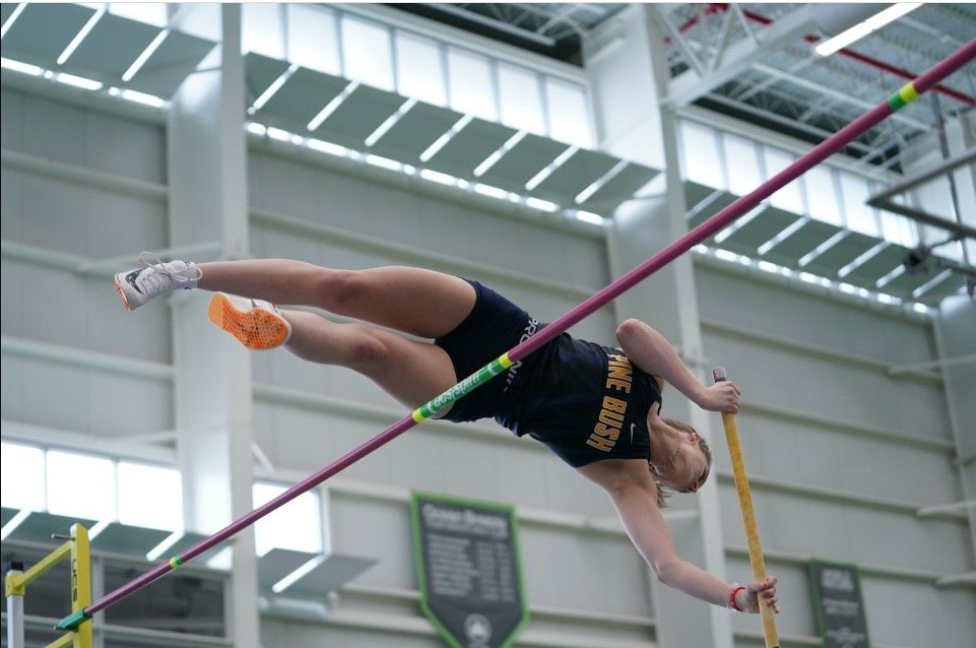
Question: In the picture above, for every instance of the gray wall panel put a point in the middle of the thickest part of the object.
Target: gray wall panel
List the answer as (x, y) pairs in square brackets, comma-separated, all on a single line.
[(833, 531)]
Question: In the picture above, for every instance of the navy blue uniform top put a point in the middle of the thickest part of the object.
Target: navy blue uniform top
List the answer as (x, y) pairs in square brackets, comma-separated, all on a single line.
[(585, 401)]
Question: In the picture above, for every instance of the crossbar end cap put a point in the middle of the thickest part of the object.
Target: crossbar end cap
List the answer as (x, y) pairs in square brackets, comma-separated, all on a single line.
[(719, 375), (72, 621)]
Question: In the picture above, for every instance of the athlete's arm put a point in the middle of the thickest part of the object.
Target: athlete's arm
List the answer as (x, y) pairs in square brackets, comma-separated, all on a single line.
[(637, 508), (654, 355)]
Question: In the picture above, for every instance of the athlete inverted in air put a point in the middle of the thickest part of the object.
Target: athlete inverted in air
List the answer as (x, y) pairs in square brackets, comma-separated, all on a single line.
[(596, 407)]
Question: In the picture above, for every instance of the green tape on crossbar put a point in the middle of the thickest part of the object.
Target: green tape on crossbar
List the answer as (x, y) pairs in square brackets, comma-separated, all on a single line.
[(472, 382), (906, 95), (175, 562), (72, 621)]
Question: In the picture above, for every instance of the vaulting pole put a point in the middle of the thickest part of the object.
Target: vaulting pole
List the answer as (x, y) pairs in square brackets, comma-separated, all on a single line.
[(825, 149), (756, 559)]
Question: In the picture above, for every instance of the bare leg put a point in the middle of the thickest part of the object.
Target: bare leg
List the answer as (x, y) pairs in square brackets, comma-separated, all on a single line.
[(413, 300), (411, 372)]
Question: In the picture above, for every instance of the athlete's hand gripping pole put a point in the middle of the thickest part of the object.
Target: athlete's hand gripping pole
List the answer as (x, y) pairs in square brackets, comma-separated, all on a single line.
[(748, 516)]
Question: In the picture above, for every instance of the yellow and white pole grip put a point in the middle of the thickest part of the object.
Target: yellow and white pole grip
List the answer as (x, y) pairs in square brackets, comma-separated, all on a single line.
[(748, 515)]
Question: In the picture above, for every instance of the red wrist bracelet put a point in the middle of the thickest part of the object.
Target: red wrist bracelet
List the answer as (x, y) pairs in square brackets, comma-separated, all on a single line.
[(731, 604)]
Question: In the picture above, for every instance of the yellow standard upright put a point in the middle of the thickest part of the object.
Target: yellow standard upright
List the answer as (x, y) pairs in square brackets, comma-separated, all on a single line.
[(76, 549)]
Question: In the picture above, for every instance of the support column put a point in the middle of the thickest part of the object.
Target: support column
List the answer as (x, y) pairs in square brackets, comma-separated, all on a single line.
[(627, 66), (954, 339), (208, 202)]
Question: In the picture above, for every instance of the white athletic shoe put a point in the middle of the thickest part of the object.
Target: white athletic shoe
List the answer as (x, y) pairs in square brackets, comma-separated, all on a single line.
[(136, 287), (257, 324)]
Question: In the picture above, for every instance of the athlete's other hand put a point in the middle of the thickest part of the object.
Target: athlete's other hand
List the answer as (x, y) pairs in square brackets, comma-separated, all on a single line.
[(748, 599), (720, 397)]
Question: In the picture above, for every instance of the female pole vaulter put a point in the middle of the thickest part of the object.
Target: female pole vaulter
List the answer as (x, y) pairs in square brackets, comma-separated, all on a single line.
[(596, 407)]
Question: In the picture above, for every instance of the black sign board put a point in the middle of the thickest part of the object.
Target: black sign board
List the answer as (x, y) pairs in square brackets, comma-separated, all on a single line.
[(467, 560), (838, 605)]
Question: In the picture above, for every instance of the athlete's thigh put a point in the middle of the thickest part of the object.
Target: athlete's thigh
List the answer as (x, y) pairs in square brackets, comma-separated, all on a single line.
[(412, 372), (421, 302)]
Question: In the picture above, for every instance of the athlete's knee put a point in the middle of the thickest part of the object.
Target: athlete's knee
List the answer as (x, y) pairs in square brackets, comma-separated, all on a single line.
[(340, 288), (368, 352)]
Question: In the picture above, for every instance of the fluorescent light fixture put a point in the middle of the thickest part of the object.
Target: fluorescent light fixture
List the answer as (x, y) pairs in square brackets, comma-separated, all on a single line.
[(390, 121), (14, 16), (768, 267), (542, 205), (891, 276), (146, 53), (274, 87), (380, 161), (96, 530), (809, 278), (409, 170), (823, 247), (279, 134), (256, 129), (327, 147), (23, 68), (113, 91), (701, 249), (862, 29), (331, 107), (497, 155), (445, 138), (589, 217), (739, 224), (885, 298), (555, 164), (163, 546), (725, 255), (920, 308), (861, 260), (929, 285), (488, 190), (587, 193), (143, 98), (78, 82), (14, 522), (76, 41), (296, 575), (437, 176), (782, 236), (847, 288)]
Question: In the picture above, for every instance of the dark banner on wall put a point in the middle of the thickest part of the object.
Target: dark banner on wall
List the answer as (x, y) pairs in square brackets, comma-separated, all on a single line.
[(467, 560), (838, 605)]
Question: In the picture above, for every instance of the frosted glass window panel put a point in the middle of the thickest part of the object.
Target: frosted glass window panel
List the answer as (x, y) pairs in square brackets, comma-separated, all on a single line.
[(469, 78), (313, 38), (951, 251), (151, 13), (742, 164), (898, 229), (80, 485), (699, 149), (569, 116), (21, 476), (367, 53), (822, 196), (861, 217), (150, 496), (521, 99), (420, 68), (297, 525), (790, 197), (261, 29), (935, 197)]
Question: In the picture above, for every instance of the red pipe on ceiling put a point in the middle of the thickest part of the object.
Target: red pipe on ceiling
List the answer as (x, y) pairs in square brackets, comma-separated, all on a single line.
[(715, 7)]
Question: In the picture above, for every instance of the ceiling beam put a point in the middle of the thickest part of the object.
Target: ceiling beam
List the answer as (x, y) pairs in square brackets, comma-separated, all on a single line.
[(740, 57)]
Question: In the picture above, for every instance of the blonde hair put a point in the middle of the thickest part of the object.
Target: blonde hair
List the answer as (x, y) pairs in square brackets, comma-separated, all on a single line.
[(663, 492)]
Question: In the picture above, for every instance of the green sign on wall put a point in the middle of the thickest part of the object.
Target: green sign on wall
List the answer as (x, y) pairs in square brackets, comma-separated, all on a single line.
[(467, 558), (838, 605)]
